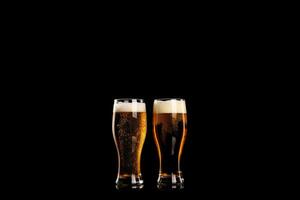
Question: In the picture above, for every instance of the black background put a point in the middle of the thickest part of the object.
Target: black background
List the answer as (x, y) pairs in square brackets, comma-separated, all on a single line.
[(76, 153), (209, 63), (217, 154)]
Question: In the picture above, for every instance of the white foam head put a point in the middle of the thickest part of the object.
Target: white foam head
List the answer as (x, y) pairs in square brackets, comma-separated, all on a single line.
[(169, 106), (129, 107)]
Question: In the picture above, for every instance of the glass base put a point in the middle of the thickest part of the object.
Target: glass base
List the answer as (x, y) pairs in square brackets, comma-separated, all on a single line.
[(129, 182), (170, 181)]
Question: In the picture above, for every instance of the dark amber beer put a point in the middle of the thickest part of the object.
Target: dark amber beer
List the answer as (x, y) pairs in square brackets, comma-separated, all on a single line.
[(170, 128), (129, 132)]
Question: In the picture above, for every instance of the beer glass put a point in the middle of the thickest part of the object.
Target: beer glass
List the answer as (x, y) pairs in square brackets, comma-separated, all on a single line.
[(169, 130), (129, 125)]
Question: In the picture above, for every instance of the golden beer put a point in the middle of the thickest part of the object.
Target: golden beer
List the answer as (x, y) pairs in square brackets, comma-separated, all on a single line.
[(170, 129), (129, 132)]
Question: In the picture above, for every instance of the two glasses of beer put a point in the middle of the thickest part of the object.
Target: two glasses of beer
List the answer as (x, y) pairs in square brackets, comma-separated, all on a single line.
[(129, 131)]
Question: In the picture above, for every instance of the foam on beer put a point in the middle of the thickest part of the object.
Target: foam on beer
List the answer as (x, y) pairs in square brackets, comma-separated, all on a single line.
[(129, 107), (169, 106)]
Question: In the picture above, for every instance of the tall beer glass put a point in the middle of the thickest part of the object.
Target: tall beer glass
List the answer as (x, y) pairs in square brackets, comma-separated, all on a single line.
[(129, 125), (170, 129)]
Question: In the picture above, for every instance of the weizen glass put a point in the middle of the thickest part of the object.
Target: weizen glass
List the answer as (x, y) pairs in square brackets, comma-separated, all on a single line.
[(129, 125), (169, 130)]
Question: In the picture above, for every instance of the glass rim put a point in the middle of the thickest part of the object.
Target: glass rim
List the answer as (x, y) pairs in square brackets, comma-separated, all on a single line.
[(128, 99), (167, 99)]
